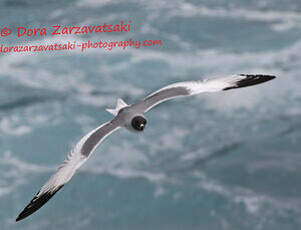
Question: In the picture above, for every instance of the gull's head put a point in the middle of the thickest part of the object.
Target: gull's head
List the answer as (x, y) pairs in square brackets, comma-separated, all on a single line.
[(138, 123)]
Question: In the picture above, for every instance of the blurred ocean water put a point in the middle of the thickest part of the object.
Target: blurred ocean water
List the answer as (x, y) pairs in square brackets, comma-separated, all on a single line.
[(217, 161)]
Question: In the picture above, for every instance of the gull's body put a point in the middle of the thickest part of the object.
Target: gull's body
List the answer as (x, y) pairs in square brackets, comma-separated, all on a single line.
[(132, 118)]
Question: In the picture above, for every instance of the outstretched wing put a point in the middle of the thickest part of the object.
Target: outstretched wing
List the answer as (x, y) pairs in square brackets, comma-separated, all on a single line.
[(74, 160), (189, 88)]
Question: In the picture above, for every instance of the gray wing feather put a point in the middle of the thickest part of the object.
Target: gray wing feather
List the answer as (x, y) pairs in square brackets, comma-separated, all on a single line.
[(162, 95), (93, 140)]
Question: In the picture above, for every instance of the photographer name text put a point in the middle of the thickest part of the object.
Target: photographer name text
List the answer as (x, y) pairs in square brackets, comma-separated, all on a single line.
[(65, 30)]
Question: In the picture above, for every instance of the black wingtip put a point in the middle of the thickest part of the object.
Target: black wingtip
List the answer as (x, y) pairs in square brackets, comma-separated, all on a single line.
[(251, 79), (36, 203), (19, 218)]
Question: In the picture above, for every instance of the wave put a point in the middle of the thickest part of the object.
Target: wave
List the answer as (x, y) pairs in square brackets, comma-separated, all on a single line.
[(28, 119), (254, 203), (14, 172), (280, 20)]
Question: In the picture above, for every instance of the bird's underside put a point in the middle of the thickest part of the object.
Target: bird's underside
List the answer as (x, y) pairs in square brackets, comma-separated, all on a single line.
[(131, 117)]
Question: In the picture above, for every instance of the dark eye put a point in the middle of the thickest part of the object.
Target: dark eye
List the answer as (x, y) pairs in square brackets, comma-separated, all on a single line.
[(138, 123)]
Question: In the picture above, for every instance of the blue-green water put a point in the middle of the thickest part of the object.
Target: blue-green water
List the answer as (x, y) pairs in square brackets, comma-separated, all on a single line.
[(221, 161)]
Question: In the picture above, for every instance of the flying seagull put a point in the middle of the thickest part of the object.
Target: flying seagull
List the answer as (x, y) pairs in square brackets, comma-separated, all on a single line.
[(131, 117)]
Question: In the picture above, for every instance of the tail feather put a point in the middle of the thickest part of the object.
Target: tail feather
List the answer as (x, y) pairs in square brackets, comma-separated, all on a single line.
[(112, 111), (120, 104)]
